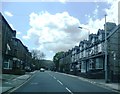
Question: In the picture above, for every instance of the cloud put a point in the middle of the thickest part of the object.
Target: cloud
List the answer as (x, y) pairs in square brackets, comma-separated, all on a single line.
[(112, 12), (119, 13), (60, 32), (12, 26), (63, 1), (95, 13), (54, 32), (18, 33), (112, 16), (8, 13)]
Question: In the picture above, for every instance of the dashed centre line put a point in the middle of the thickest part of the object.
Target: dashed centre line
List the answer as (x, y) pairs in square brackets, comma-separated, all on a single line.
[(69, 90), (54, 77), (50, 74), (60, 82)]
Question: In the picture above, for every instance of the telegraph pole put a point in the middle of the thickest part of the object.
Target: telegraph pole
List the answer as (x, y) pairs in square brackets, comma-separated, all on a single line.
[(106, 53)]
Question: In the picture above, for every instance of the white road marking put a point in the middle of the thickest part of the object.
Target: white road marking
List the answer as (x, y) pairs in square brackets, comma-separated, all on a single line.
[(69, 90), (50, 74), (54, 77), (60, 82)]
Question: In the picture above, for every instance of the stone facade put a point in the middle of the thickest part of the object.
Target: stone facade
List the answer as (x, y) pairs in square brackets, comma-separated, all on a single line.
[(15, 55), (114, 52), (7, 35), (0, 43)]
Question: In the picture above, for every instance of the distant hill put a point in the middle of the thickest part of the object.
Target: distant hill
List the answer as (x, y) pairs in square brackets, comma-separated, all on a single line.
[(47, 64)]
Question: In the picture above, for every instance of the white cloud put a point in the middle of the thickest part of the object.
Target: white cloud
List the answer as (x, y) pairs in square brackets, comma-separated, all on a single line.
[(88, 16), (112, 12), (119, 13), (63, 1), (12, 26), (60, 31), (55, 32), (8, 13), (112, 16), (95, 13), (25, 37), (18, 33)]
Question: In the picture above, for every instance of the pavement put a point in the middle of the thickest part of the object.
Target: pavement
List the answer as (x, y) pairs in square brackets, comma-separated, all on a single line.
[(8, 82), (102, 83), (99, 82)]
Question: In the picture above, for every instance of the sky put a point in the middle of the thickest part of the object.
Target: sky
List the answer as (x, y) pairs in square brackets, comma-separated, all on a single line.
[(52, 26)]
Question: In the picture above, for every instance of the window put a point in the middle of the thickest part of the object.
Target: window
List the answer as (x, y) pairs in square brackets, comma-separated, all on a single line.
[(100, 48), (100, 37), (83, 67), (80, 54), (93, 40), (80, 48), (91, 64), (10, 64), (6, 65), (99, 63)]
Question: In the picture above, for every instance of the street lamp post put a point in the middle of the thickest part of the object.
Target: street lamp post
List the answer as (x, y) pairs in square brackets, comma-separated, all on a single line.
[(86, 29), (87, 61)]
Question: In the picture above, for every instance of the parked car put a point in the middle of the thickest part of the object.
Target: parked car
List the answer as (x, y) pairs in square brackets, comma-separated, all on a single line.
[(42, 69), (27, 69)]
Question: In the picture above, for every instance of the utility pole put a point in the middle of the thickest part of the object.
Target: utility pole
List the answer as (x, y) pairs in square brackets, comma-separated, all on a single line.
[(106, 53)]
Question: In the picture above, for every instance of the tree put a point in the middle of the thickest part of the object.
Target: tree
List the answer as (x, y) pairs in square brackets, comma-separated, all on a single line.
[(56, 59), (37, 56)]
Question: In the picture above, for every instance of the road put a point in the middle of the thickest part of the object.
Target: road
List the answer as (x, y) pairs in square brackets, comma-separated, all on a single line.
[(55, 82)]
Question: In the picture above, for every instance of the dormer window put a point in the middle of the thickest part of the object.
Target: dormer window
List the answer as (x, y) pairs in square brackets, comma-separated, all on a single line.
[(84, 46), (93, 40), (100, 37)]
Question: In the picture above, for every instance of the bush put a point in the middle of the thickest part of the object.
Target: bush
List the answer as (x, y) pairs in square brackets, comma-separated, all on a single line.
[(15, 72)]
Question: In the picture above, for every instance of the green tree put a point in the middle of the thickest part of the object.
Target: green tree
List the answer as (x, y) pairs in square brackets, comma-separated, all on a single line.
[(56, 59)]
